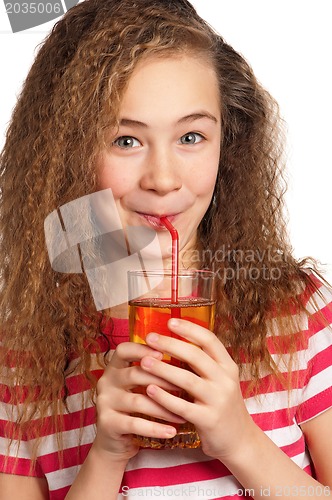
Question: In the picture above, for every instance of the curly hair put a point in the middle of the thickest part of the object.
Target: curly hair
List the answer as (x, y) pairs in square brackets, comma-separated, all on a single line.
[(69, 100)]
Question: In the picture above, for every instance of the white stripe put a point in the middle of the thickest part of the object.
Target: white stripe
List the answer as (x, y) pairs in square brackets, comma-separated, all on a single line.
[(74, 403), (285, 436), (62, 478), (299, 320), (318, 383), (321, 302), (23, 450), (70, 439), (273, 401), (320, 341), (299, 362), (49, 444), (169, 458), (302, 460)]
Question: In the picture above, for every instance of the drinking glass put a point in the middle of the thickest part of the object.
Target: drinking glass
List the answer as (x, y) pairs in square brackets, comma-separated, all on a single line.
[(150, 308)]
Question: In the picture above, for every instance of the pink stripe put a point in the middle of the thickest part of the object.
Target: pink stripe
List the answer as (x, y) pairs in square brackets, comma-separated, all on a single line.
[(71, 457), (271, 383), (316, 322), (322, 360), (71, 421), (180, 474), (75, 384), (294, 449), (19, 466), (315, 405), (59, 494), (274, 419)]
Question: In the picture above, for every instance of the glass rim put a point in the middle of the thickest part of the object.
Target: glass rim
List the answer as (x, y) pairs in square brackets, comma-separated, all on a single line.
[(168, 272)]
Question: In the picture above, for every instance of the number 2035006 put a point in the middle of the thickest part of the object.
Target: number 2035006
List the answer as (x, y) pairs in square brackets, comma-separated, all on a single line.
[(302, 491), (33, 8)]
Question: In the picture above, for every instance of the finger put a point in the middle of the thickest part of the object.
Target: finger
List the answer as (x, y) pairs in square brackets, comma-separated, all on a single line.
[(188, 381), (142, 405), (190, 354), (129, 424), (199, 336), (131, 377), (128, 352), (174, 404)]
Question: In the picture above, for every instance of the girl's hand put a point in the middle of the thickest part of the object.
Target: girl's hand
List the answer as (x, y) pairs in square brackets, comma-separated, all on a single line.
[(218, 410), (116, 402)]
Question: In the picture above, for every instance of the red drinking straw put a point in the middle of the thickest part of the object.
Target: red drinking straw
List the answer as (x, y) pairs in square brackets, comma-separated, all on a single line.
[(175, 312)]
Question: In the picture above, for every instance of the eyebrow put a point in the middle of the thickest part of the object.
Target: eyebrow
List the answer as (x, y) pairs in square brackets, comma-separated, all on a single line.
[(185, 119)]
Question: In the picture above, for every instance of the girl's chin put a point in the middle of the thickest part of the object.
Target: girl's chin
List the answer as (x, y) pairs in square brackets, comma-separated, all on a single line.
[(156, 253)]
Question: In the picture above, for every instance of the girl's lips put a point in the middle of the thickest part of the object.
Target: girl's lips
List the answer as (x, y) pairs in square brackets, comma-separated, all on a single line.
[(154, 220)]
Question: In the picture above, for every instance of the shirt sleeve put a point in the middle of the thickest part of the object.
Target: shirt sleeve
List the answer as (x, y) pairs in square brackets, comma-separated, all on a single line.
[(317, 391)]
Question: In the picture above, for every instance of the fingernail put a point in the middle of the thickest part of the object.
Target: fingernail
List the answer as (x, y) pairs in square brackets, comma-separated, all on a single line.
[(152, 337), (173, 323), (151, 389), (170, 431), (148, 362), (157, 354)]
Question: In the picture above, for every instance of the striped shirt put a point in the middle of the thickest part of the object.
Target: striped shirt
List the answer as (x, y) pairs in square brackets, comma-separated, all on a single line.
[(190, 473)]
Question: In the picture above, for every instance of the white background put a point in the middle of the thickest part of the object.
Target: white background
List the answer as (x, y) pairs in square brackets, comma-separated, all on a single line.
[(288, 43)]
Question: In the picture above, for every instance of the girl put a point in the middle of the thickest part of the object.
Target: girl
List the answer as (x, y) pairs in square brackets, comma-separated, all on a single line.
[(142, 97)]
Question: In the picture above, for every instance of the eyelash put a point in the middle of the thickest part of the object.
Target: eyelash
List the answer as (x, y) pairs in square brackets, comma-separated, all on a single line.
[(202, 138), (124, 137), (131, 138)]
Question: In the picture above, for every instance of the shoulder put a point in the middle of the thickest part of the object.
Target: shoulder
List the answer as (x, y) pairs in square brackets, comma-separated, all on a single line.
[(317, 393), (316, 293), (317, 302)]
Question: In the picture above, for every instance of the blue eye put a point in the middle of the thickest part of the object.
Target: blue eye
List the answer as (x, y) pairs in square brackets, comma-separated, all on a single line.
[(126, 142), (191, 138)]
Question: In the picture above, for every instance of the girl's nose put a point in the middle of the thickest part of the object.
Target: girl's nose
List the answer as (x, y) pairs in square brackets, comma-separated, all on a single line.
[(161, 174)]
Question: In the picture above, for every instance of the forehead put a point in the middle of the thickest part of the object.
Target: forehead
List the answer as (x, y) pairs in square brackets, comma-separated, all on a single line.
[(171, 86)]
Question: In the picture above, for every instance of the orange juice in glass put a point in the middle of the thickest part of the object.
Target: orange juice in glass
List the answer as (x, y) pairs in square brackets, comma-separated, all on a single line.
[(150, 308)]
